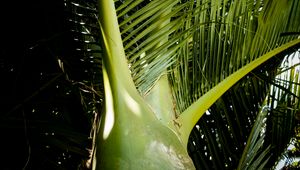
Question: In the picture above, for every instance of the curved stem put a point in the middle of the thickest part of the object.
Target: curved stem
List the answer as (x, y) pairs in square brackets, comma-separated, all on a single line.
[(188, 119), (114, 59)]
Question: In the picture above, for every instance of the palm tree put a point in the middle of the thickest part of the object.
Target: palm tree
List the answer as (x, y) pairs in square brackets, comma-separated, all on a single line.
[(186, 84), (165, 64)]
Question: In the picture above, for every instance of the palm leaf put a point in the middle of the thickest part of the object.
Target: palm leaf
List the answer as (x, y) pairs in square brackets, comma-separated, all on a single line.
[(210, 46), (279, 123), (243, 32), (231, 119), (207, 41)]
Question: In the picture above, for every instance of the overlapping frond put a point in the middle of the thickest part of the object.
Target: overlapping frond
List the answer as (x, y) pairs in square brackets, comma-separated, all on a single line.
[(145, 26), (256, 117), (284, 107), (207, 41), (278, 123), (229, 121), (234, 34)]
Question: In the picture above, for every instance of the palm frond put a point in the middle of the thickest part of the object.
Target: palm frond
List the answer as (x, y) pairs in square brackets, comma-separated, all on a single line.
[(279, 123), (230, 119), (207, 42), (144, 25), (234, 34), (284, 107), (254, 154)]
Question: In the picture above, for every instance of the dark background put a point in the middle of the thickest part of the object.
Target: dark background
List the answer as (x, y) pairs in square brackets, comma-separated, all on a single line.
[(42, 124)]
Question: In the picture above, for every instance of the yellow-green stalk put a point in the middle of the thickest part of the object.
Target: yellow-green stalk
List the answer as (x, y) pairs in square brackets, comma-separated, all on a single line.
[(130, 136)]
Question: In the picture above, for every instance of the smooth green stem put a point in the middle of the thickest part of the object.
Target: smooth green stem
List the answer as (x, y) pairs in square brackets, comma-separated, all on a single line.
[(188, 119), (115, 59), (129, 136)]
